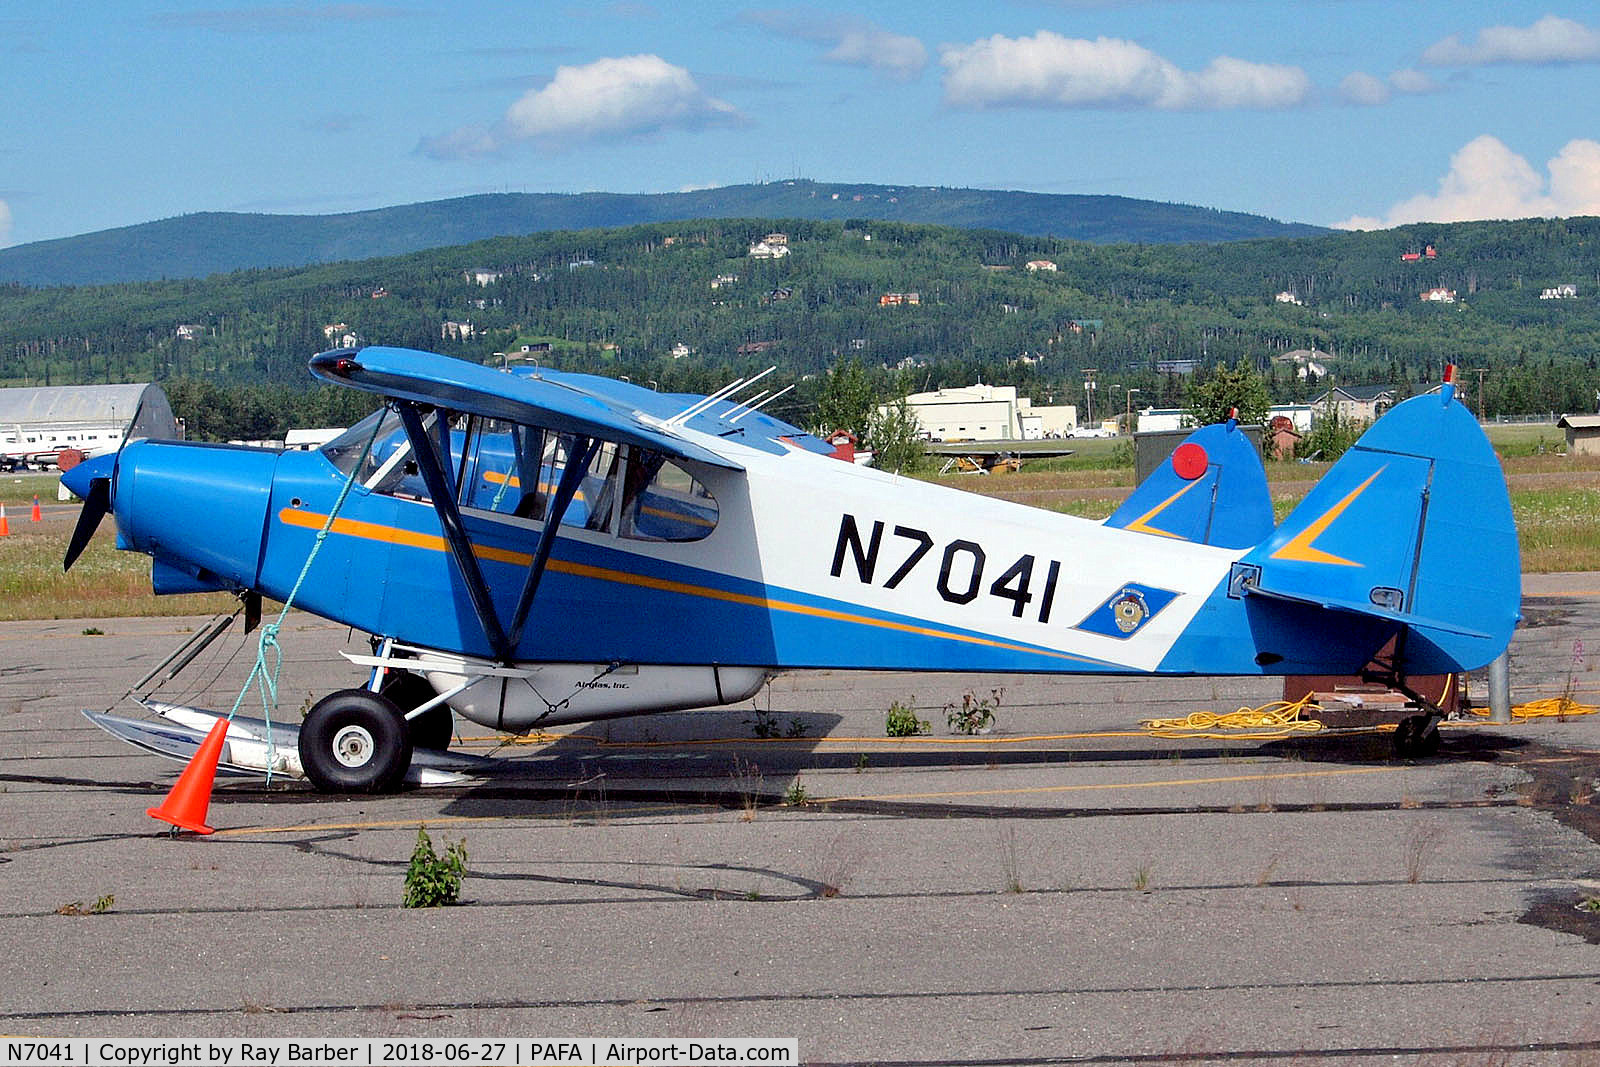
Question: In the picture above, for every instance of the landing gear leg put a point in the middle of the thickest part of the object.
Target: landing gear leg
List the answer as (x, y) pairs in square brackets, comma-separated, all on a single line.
[(435, 728), (1417, 735)]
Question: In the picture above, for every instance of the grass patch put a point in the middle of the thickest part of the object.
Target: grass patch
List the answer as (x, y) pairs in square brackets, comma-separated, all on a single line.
[(18, 489), (1557, 529), (103, 584), (1525, 439)]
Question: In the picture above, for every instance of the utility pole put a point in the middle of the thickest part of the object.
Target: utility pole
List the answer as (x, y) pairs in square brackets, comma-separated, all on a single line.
[(1127, 417), (1088, 393), (1481, 371)]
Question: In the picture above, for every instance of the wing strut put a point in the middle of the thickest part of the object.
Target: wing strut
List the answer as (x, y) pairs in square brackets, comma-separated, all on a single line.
[(580, 454), (430, 451), (431, 467)]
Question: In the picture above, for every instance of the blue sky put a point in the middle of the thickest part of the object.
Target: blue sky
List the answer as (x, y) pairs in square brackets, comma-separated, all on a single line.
[(1336, 112)]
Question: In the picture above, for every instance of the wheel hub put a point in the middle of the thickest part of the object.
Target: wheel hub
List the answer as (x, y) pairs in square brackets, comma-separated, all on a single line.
[(353, 746)]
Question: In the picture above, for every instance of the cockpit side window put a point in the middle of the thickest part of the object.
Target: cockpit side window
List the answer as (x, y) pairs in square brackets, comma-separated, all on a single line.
[(513, 470)]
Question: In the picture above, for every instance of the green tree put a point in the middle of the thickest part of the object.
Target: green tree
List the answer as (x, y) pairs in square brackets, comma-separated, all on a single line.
[(1330, 437), (848, 400), (895, 437), (1214, 398)]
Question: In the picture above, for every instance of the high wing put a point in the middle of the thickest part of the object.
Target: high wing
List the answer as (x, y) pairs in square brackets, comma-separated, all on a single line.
[(417, 382), (423, 378)]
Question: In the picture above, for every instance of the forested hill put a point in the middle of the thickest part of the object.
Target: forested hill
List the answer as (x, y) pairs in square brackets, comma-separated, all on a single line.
[(199, 245), (686, 305)]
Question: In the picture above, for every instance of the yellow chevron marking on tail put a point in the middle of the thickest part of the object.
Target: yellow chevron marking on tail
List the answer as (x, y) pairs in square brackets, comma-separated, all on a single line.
[(1300, 549), (1141, 524)]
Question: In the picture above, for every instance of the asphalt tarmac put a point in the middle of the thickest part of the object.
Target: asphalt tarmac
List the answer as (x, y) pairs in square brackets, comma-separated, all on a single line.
[(1065, 889)]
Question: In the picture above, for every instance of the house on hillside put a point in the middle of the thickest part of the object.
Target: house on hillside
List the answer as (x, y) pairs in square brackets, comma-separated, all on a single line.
[(1307, 361), (1360, 403), (1439, 295), (772, 246)]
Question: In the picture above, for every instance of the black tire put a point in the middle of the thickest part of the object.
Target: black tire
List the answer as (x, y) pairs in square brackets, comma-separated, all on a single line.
[(433, 730), (1416, 737), (354, 741)]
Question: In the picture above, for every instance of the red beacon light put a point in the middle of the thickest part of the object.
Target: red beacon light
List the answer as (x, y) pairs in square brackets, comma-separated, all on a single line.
[(1189, 461)]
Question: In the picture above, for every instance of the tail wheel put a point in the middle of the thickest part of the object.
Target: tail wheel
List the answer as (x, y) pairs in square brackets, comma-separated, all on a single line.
[(435, 728), (354, 741), (1416, 737)]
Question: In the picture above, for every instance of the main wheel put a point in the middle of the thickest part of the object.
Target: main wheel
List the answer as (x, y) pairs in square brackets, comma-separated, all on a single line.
[(435, 728), (354, 741)]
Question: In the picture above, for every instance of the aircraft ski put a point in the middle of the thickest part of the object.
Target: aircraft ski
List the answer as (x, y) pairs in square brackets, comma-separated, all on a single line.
[(530, 547)]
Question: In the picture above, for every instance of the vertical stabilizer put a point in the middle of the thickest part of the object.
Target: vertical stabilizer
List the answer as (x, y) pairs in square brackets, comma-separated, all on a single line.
[(1412, 525), (1212, 490)]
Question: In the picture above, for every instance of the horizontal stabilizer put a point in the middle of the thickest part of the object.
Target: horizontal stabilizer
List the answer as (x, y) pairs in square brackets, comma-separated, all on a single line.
[(1211, 490), (1372, 610)]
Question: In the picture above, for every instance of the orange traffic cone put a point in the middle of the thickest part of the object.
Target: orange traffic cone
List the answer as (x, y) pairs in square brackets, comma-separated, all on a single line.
[(185, 806), (38, 516), (5, 524)]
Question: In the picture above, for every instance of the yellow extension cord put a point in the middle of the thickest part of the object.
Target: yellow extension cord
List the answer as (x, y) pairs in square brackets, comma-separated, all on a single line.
[(1278, 718), (1562, 707)]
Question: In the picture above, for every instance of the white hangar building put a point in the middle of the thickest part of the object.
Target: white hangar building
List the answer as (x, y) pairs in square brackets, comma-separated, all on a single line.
[(988, 413), (37, 424)]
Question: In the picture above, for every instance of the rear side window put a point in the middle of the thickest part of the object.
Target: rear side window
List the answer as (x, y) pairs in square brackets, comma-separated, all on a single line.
[(663, 502)]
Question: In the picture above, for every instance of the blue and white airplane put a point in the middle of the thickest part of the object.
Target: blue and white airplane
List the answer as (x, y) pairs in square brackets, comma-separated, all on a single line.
[(530, 548)]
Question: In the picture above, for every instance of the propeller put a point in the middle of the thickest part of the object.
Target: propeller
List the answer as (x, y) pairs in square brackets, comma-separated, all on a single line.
[(95, 506), (92, 480)]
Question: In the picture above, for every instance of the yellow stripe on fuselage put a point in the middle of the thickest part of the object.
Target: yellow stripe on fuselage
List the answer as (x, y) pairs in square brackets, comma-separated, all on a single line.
[(371, 531)]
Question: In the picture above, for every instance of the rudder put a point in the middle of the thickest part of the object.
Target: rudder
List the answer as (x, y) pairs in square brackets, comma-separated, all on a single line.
[(1413, 525)]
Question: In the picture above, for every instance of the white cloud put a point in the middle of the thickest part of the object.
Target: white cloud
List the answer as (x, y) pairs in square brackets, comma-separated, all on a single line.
[(1489, 181), (621, 97), (850, 41), (1413, 81), (1550, 40), (1048, 70), (5, 224), (1362, 88)]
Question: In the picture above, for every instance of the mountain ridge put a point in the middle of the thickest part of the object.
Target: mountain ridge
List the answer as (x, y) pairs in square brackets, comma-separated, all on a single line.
[(206, 243)]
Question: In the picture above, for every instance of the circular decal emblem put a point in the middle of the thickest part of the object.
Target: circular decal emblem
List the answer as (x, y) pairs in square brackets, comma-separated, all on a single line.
[(1129, 611)]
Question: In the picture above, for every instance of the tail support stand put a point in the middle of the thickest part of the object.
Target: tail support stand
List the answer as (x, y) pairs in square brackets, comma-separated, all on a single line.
[(1500, 689)]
